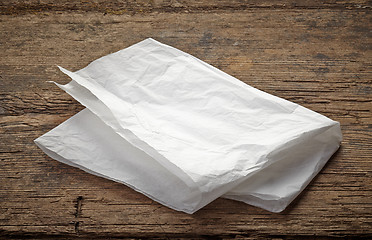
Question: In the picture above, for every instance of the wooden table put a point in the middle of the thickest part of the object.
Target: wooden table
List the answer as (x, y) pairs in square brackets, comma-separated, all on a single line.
[(317, 55)]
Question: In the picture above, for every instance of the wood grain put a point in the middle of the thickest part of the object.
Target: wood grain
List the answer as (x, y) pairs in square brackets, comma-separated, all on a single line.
[(316, 55), (119, 7)]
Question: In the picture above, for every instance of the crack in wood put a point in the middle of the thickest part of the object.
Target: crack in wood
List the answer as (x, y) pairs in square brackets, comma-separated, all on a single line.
[(78, 205), (77, 227)]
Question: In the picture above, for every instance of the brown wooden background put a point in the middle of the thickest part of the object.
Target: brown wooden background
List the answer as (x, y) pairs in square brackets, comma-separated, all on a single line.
[(315, 53)]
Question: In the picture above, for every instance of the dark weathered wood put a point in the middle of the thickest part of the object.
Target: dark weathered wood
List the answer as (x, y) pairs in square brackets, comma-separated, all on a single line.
[(144, 6), (318, 56)]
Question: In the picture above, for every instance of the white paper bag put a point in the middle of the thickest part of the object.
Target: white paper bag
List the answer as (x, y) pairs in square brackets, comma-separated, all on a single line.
[(185, 133)]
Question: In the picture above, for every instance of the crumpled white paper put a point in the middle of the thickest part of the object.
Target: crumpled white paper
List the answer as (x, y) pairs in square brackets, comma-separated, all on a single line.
[(184, 133)]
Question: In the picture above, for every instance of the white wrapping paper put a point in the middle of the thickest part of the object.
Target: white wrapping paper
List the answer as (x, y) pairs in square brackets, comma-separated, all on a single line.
[(185, 133)]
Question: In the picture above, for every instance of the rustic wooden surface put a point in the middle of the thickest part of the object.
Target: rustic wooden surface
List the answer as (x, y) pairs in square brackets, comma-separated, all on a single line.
[(312, 53)]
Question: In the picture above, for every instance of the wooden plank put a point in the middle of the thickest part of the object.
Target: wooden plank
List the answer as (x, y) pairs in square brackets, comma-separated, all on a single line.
[(145, 6), (319, 58)]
